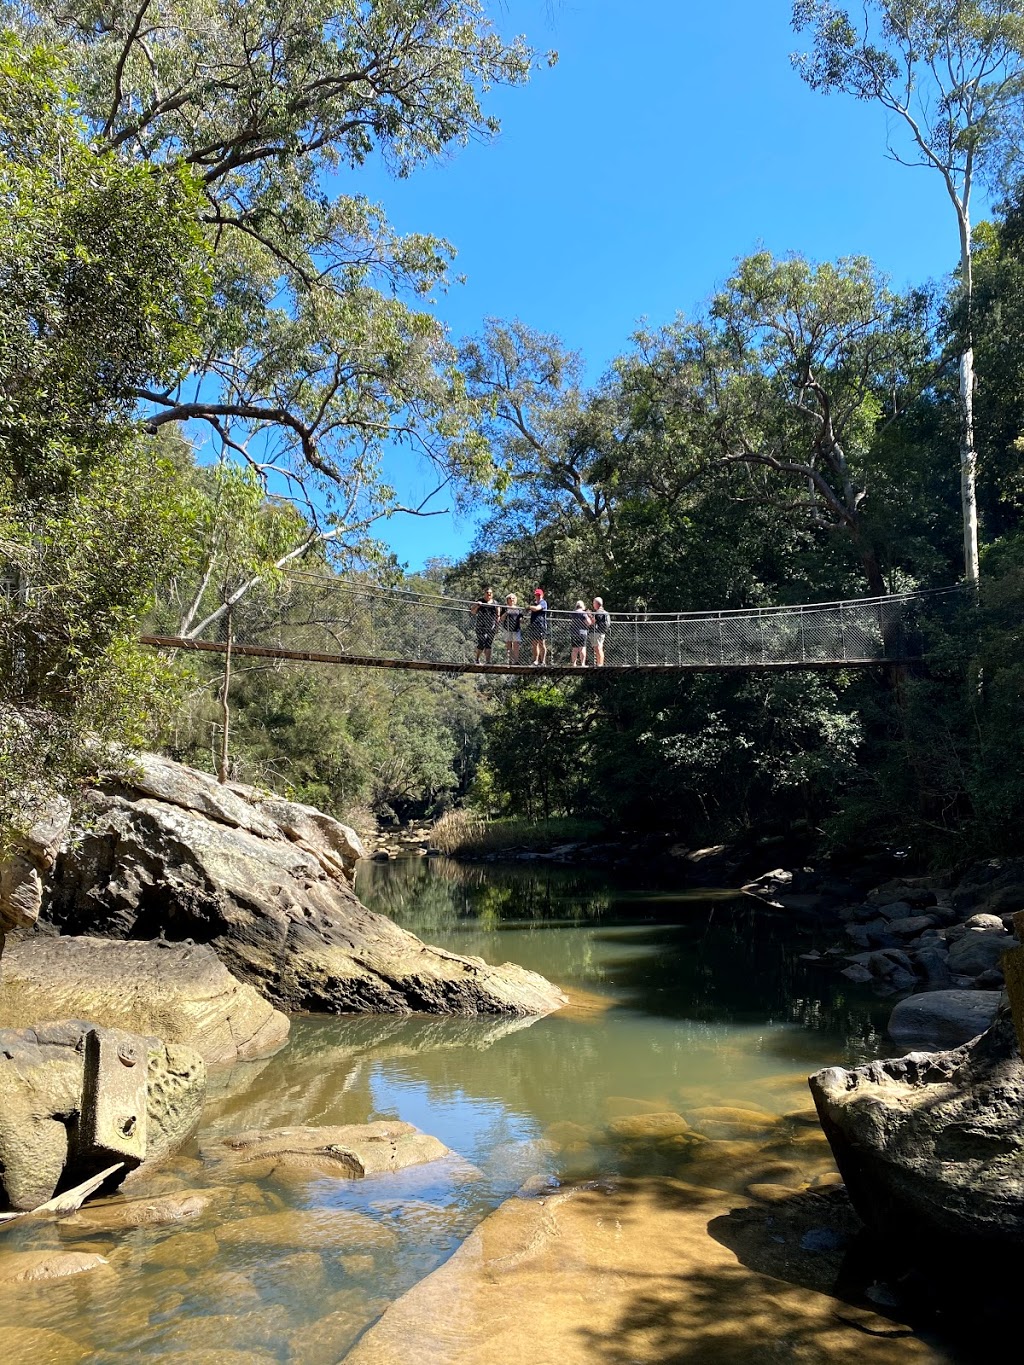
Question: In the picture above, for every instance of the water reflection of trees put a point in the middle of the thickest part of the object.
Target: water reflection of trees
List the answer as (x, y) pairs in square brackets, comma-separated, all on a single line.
[(684, 955), (436, 893)]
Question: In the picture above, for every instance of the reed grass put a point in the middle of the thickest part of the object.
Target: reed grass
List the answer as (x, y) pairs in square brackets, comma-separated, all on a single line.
[(469, 832)]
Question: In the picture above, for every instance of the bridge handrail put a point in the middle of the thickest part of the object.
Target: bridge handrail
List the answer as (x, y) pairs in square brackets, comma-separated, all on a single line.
[(441, 602)]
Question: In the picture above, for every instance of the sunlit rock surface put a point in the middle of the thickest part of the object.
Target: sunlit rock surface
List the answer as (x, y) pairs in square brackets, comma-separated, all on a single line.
[(180, 992), (265, 882), (634, 1273), (350, 1150)]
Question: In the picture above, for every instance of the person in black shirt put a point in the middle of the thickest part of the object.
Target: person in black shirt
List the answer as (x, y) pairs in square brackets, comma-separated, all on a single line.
[(512, 625), (598, 630), (486, 612), (579, 623), (539, 627)]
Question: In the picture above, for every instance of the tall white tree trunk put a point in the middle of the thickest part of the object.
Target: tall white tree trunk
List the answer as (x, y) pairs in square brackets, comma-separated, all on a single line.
[(968, 466), (968, 454)]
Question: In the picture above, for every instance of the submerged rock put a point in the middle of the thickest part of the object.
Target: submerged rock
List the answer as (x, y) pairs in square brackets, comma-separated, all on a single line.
[(265, 882), (931, 1147), (181, 992), (20, 1267), (353, 1150)]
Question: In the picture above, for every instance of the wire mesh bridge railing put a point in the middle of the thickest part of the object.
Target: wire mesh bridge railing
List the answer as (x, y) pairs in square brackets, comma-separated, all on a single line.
[(346, 621)]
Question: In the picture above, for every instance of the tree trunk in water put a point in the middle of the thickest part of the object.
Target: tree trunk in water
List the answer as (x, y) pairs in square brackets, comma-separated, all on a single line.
[(225, 710), (968, 466)]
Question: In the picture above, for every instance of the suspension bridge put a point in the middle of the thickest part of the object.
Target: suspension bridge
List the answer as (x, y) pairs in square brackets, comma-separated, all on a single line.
[(314, 618)]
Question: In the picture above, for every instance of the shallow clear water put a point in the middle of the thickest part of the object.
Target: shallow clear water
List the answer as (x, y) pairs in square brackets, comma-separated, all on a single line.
[(680, 1002)]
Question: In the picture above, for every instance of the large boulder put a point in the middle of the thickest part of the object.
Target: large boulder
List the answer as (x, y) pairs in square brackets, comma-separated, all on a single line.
[(52, 1137), (180, 992), (166, 851), (931, 1147), (31, 858), (995, 886), (979, 950), (936, 1020)]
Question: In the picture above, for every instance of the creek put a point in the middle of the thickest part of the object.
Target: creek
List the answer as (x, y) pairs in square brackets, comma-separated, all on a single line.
[(680, 1001)]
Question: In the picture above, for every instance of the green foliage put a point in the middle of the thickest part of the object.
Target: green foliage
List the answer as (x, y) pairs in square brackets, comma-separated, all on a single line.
[(103, 283), (313, 360)]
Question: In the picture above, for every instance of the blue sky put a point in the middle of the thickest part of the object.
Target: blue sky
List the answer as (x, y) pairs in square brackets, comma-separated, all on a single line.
[(670, 138)]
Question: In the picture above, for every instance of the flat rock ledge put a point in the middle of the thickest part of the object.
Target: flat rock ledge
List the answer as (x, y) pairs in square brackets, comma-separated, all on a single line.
[(629, 1273), (167, 852), (353, 1150), (931, 1147), (180, 992)]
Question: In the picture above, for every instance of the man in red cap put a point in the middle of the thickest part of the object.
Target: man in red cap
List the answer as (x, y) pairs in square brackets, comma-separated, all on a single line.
[(539, 626)]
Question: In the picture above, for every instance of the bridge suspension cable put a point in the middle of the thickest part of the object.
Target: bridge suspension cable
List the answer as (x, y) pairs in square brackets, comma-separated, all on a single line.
[(317, 618)]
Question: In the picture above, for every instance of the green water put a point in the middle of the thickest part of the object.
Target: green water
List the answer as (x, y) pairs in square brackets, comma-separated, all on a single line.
[(681, 1001)]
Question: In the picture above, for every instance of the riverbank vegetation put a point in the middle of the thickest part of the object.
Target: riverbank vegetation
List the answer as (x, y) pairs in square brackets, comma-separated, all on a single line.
[(176, 257)]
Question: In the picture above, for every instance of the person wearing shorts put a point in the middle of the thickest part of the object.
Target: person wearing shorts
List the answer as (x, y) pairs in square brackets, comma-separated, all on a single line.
[(580, 622), (538, 610), (486, 612), (512, 625), (598, 630)]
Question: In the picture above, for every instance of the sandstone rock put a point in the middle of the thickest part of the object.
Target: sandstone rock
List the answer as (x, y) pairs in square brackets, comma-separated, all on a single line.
[(632, 1274), (43, 1144), (978, 950), (882, 964), (931, 1146), (896, 910), (138, 1213), (936, 1020), (907, 928), (194, 1250), (325, 1341), (985, 922), (916, 897), (858, 974), (349, 1150), (310, 1230), (724, 1121), (277, 912), (648, 1127), (39, 1344), (995, 887), (179, 992), (21, 893), (933, 961), (768, 1193), (266, 1328), (22, 1267)]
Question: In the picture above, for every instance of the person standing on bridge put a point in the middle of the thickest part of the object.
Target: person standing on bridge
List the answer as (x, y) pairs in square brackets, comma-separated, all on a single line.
[(579, 623), (512, 625), (600, 621), (486, 612), (539, 627)]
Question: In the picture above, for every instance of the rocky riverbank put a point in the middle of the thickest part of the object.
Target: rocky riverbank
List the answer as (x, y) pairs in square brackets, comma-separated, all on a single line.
[(165, 852)]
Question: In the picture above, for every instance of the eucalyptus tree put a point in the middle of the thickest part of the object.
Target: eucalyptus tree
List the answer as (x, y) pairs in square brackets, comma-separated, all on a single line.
[(103, 284), (556, 440), (951, 73), (789, 377), (313, 357)]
